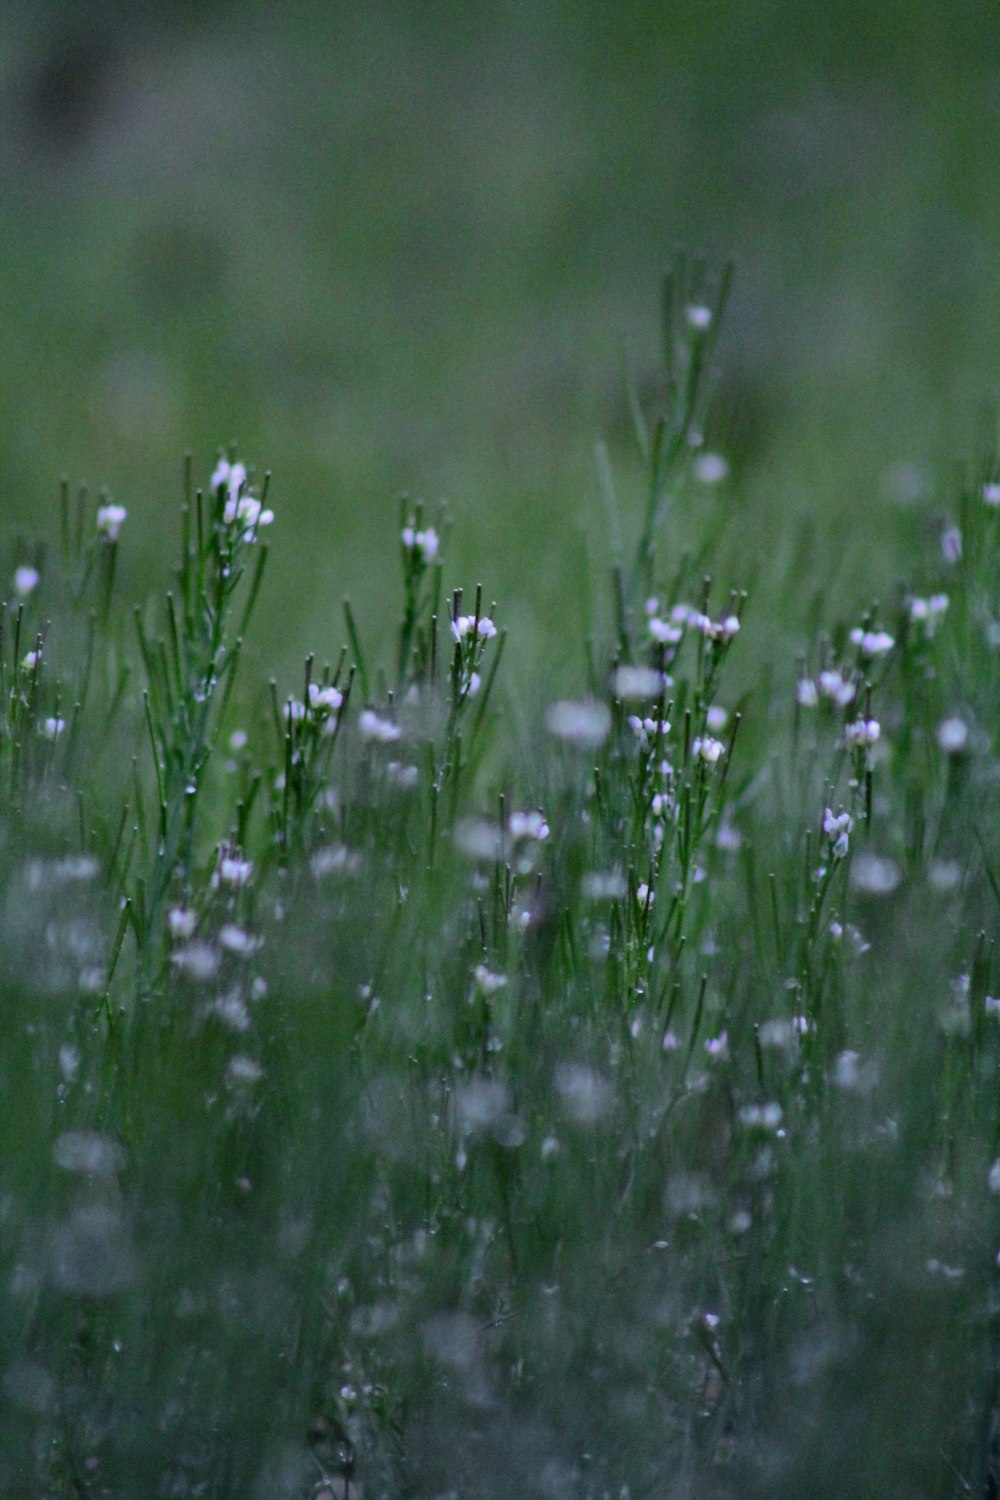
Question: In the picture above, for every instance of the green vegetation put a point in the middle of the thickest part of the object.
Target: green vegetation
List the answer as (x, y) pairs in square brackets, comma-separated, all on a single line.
[(408, 1090)]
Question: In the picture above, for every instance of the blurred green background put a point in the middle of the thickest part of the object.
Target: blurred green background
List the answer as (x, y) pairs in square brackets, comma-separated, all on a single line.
[(408, 246)]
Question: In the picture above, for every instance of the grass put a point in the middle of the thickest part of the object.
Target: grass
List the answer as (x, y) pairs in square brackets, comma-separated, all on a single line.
[(409, 1092)]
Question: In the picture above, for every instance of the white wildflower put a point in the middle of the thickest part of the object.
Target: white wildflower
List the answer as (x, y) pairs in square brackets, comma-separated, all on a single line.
[(599, 885), (953, 735), (839, 689), (583, 724), (528, 825), (110, 519), (862, 732), (198, 961), (182, 922), (872, 642), (402, 775), (874, 875), (805, 693), (32, 660), (647, 729), (52, 727), (944, 874), (644, 895), (717, 1047), (238, 941), (26, 580), (479, 839), (464, 625), (638, 682), (716, 718), (243, 1071), (710, 468), (837, 827), (928, 613), (425, 542), (324, 700), (482, 1102), (487, 981), (584, 1094), (699, 317), (761, 1116), (232, 870), (663, 632), (335, 859), (991, 493), (708, 749), (373, 727), (951, 545), (249, 512)]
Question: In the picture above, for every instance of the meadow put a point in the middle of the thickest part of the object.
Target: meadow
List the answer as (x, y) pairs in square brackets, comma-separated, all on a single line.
[(422, 1078)]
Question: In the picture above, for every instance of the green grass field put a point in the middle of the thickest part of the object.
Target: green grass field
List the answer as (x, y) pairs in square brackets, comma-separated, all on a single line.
[(421, 1079), (534, 1031)]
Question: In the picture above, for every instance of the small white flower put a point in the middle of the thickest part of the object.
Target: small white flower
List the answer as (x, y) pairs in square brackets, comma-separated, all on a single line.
[(249, 513), (243, 1071), (199, 961), (716, 718), (717, 1047), (425, 542), (805, 693), (663, 632), (464, 625), (928, 613), (32, 660), (953, 735), (839, 689), (698, 316), (710, 468), (233, 871), (220, 475), (644, 895), (182, 922), (237, 940), (487, 981), (991, 493), (324, 700), (872, 642), (584, 724), (335, 859), (761, 1116), (404, 776), (26, 580), (951, 545), (837, 827), (52, 728), (638, 682), (376, 729), (862, 732), (110, 519), (725, 629), (647, 729), (708, 749), (528, 825), (873, 875)]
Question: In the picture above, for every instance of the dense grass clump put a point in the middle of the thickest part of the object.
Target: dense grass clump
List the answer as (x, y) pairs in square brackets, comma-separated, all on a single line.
[(401, 1097)]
